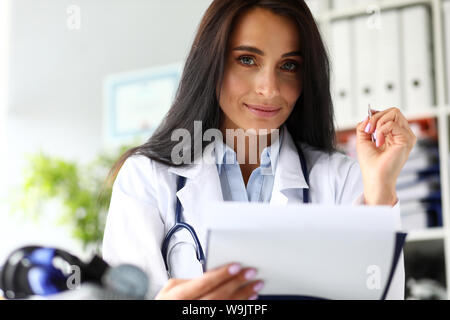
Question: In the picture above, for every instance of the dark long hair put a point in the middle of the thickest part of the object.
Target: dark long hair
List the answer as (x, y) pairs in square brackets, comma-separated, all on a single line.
[(197, 96)]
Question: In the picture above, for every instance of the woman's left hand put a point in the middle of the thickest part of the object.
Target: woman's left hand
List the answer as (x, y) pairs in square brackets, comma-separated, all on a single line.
[(381, 163)]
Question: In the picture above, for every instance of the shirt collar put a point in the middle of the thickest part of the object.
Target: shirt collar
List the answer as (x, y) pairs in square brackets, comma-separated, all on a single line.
[(269, 156)]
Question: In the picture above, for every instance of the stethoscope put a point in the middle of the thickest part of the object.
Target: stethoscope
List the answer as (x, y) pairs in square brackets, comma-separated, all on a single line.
[(179, 224)]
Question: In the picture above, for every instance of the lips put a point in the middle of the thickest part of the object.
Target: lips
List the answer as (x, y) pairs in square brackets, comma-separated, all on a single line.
[(264, 111)]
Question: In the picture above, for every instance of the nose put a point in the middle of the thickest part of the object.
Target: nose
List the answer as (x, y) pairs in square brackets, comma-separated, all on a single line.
[(267, 84)]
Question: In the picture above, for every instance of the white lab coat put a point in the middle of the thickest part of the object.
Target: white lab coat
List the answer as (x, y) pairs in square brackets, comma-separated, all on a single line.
[(142, 207)]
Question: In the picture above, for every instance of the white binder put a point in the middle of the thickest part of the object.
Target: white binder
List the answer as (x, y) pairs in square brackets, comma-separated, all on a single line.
[(416, 43), (317, 6), (343, 4), (366, 45), (388, 83), (446, 9), (342, 71), (349, 4)]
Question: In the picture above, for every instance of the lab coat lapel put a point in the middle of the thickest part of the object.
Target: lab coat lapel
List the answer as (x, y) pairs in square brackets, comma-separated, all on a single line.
[(202, 184), (288, 173)]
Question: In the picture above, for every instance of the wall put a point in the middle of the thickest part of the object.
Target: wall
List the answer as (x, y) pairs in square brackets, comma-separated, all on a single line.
[(55, 80)]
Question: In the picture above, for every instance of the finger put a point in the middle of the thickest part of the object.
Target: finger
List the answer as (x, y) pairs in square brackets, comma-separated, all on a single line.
[(392, 114), (382, 132), (384, 116), (171, 283), (229, 288), (360, 131), (396, 116), (200, 286), (394, 129), (378, 113), (374, 111), (249, 291)]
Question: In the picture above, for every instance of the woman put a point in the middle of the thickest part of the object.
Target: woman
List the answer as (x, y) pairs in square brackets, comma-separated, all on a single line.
[(260, 65)]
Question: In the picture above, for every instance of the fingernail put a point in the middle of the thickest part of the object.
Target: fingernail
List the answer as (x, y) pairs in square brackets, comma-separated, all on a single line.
[(377, 143), (253, 297), (366, 130), (235, 268), (258, 286), (250, 274)]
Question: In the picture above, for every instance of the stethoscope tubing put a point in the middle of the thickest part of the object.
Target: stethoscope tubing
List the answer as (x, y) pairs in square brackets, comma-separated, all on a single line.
[(179, 224)]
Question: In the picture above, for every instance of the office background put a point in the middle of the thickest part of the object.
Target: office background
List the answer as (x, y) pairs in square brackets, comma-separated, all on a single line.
[(56, 63), (69, 68), (395, 53)]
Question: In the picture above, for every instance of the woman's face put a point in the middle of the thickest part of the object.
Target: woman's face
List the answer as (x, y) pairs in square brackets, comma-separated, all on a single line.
[(262, 79)]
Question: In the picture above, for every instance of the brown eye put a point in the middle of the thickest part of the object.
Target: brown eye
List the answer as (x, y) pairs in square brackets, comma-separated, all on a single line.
[(246, 60)]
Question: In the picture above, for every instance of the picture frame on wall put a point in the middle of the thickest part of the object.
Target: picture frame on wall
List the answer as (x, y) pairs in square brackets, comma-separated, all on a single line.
[(136, 102)]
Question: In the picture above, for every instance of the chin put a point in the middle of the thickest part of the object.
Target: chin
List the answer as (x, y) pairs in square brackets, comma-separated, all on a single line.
[(262, 125)]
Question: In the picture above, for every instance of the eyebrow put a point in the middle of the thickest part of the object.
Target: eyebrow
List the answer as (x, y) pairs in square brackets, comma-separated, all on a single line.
[(261, 53)]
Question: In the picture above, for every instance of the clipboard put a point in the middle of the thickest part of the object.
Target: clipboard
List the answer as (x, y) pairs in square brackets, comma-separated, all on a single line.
[(307, 251)]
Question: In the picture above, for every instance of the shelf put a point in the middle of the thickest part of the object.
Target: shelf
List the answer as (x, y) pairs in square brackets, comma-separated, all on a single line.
[(426, 234), (433, 112), (439, 237), (360, 10)]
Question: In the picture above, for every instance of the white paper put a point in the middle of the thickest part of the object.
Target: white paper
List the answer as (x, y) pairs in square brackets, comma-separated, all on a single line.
[(324, 251)]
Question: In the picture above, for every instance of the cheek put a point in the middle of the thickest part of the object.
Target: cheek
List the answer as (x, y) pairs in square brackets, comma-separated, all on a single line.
[(291, 91), (234, 87)]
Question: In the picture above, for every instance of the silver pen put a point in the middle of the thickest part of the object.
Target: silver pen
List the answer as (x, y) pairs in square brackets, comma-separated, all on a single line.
[(370, 117)]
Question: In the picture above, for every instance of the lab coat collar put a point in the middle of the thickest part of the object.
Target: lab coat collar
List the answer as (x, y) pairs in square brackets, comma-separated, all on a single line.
[(288, 174), (203, 183), (205, 178), (193, 170), (269, 156)]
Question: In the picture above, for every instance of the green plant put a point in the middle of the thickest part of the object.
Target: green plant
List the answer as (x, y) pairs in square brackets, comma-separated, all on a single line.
[(80, 189)]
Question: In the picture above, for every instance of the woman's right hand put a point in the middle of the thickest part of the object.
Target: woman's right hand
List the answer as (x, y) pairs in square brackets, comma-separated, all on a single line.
[(229, 282)]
